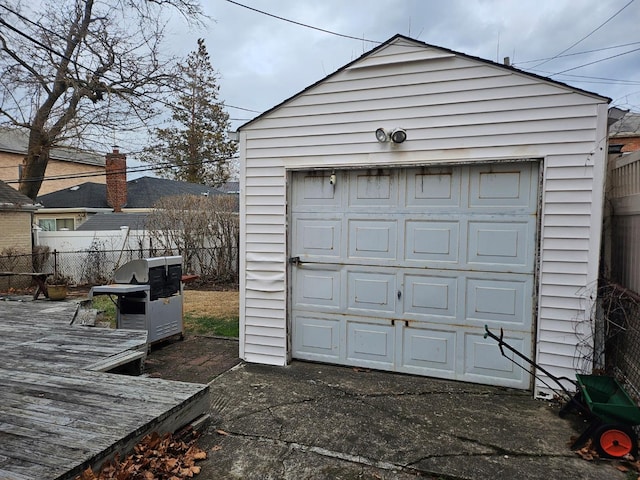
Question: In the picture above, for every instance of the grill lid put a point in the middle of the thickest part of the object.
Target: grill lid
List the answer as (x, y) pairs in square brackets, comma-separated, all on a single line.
[(137, 271)]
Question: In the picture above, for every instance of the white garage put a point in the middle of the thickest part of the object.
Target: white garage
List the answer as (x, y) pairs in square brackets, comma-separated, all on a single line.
[(361, 248)]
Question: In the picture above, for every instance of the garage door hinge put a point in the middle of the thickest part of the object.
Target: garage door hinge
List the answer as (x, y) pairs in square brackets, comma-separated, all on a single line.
[(294, 261)]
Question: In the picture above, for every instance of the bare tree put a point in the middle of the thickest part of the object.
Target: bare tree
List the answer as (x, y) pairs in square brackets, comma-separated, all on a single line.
[(77, 69), (204, 230)]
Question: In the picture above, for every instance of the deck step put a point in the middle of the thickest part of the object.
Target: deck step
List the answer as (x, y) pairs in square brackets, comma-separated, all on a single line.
[(114, 361)]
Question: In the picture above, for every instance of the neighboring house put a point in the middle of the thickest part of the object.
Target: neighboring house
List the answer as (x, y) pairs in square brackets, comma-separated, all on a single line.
[(98, 223), (624, 132), (64, 162), (16, 211), (69, 208), (484, 209), (230, 187)]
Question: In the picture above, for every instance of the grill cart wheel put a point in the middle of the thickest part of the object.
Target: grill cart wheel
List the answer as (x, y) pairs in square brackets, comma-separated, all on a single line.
[(615, 441)]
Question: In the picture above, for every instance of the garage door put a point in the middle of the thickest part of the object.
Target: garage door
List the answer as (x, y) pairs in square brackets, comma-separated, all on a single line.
[(401, 269)]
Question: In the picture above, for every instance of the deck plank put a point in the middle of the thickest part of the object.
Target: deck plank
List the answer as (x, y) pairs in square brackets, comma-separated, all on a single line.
[(57, 416)]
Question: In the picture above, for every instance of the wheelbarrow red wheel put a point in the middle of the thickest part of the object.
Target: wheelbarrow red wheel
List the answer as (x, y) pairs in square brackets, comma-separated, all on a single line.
[(615, 441)]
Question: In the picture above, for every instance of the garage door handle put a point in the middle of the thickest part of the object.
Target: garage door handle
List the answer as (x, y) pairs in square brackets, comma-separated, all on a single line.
[(399, 294), (294, 261)]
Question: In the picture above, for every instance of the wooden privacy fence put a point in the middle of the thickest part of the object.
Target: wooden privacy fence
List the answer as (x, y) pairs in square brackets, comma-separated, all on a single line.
[(624, 195), (619, 291)]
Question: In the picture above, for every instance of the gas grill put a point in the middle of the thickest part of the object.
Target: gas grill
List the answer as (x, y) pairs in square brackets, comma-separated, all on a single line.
[(149, 296)]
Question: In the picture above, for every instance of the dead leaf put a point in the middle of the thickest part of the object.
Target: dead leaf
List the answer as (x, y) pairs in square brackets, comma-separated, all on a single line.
[(154, 457), (201, 455), (215, 448), (87, 475), (222, 432)]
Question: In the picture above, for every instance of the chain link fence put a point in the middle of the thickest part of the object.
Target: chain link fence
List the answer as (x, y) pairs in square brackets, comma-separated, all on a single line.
[(12, 260), (214, 266)]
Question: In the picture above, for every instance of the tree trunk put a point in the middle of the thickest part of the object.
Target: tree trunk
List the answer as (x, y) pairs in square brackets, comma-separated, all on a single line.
[(35, 164)]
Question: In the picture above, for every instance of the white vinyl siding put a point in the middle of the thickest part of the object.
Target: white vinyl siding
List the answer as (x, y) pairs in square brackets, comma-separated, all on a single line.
[(456, 110)]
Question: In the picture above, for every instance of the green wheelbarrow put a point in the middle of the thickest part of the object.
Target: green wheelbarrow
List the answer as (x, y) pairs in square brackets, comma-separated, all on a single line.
[(612, 413)]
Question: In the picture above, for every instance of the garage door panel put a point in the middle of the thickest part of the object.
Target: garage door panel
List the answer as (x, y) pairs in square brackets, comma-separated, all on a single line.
[(313, 189), (371, 292), (429, 351), (437, 187), (432, 241), (377, 187), (370, 344), (317, 338), (499, 302), (430, 297), (508, 186), (373, 239), (484, 361), (318, 288), (500, 244), (318, 237)]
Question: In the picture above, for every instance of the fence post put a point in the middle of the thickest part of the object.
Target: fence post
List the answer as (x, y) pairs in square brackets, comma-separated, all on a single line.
[(55, 262)]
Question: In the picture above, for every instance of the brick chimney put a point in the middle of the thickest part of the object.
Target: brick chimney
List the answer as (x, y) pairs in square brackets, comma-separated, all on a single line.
[(116, 170)]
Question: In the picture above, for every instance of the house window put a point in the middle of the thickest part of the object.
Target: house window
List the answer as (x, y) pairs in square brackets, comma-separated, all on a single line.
[(47, 224), (55, 224)]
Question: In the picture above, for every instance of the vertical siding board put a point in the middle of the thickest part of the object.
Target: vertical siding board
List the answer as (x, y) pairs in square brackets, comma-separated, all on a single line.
[(455, 110)]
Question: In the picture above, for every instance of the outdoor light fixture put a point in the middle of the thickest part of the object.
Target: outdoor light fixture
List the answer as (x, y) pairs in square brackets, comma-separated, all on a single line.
[(381, 135), (398, 135)]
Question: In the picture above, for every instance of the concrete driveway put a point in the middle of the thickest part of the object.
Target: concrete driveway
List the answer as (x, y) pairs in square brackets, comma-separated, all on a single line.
[(314, 421)]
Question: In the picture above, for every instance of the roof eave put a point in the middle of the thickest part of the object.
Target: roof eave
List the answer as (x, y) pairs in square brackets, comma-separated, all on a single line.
[(74, 210), (16, 207)]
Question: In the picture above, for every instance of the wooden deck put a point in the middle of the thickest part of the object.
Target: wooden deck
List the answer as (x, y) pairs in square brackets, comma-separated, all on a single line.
[(59, 413)]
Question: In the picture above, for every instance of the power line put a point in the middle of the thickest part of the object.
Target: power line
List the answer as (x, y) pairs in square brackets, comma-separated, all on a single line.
[(158, 166), (241, 108), (589, 78), (28, 20), (584, 52), (302, 24), (596, 61), (586, 36)]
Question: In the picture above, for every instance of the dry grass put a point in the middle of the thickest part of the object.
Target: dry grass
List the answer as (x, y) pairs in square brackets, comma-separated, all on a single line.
[(205, 312), (198, 303)]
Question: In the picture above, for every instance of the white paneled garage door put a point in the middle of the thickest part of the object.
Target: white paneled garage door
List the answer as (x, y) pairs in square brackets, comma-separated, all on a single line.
[(401, 269)]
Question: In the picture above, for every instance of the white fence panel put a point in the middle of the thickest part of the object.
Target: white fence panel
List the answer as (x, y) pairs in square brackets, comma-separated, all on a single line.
[(96, 253), (625, 202)]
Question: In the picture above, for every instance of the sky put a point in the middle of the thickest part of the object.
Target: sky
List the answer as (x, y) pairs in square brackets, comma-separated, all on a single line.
[(262, 60)]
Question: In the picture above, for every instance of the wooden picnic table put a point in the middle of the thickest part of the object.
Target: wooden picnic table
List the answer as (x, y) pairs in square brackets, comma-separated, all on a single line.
[(39, 278)]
